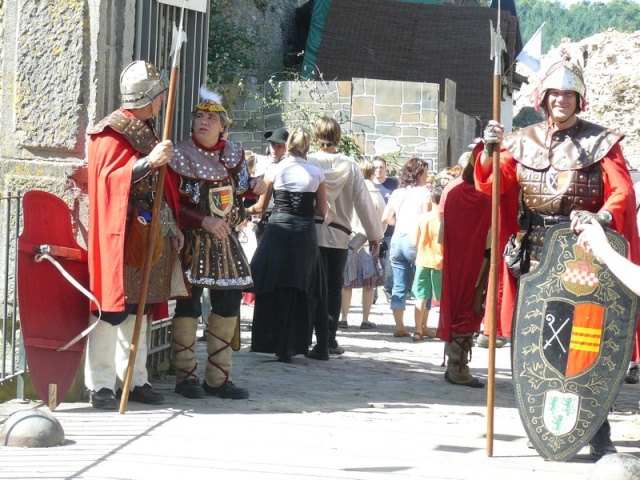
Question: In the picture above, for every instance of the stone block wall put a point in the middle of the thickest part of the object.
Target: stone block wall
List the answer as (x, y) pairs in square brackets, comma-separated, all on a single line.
[(391, 116), (57, 64), (402, 119)]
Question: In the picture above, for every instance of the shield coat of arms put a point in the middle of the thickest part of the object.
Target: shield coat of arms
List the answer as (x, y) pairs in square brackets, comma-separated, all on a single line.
[(221, 199), (573, 337)]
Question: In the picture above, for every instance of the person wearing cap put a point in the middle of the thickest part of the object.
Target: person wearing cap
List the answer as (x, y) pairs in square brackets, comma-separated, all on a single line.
[(277, 139), (124, 153), (210, 175), (546, 166)]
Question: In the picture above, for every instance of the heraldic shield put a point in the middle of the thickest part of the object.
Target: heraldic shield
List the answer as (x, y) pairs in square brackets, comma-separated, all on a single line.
[(573, 337), (52, 310)]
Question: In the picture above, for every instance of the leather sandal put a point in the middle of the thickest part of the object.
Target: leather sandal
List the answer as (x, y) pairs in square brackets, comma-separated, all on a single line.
[(428, 332), (401, 333)]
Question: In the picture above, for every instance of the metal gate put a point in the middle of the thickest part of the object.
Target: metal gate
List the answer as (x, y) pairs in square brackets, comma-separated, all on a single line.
[(12, 362), (154, 31), (153, 41)]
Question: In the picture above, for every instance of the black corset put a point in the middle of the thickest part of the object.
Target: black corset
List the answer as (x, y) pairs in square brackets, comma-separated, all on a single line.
[(294, 203)]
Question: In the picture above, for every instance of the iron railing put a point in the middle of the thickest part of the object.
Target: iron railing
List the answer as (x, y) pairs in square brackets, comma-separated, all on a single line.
[(154, 31), (13, 364)]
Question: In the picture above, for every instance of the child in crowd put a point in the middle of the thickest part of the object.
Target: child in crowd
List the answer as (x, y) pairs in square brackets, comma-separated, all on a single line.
[(428, 278)]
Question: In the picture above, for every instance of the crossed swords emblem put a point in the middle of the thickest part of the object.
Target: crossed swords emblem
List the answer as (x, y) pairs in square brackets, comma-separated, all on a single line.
[(551, 320)]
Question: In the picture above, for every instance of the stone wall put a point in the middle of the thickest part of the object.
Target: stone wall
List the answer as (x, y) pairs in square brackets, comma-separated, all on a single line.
[(391, 116), (271, 24), (401, 119)]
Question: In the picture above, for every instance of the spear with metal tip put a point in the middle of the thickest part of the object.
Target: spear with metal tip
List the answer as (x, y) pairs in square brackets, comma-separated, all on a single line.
[(178, 37), (492, 294)]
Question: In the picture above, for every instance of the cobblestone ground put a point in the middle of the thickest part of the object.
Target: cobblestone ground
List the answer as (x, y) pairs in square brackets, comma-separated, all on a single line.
[(381, 410)]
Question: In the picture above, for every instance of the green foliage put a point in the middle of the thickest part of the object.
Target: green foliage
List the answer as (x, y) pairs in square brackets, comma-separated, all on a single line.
[(231, 48), (579, 21), (296, 113), (527, 116)]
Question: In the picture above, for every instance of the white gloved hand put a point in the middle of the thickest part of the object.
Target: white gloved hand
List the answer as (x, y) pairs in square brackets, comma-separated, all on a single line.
[(492, 135)]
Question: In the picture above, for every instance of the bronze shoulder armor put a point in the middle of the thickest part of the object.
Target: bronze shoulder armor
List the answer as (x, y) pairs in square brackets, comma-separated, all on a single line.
[(139, 134), (572, 149)]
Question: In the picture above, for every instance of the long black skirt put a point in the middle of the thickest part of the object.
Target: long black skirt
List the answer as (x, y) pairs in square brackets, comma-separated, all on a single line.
[(288, 274), (281, 323)]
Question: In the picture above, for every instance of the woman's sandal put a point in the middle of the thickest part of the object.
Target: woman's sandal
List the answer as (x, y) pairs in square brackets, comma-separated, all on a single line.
[(417, 337), (367, 325), (428, 332), (401, 333)]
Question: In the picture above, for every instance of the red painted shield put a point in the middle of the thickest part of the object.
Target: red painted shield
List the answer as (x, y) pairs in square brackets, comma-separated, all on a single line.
[(52, 311)]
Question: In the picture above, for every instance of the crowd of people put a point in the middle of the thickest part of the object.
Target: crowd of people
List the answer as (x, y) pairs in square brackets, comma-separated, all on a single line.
[(423, 235)]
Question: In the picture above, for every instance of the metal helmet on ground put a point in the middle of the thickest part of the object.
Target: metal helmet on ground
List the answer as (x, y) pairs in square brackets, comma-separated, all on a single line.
[(140, 84), (564, 75)]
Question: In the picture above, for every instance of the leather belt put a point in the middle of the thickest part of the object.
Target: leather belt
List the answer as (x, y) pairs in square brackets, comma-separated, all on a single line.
[(548, 220), (335, 225)]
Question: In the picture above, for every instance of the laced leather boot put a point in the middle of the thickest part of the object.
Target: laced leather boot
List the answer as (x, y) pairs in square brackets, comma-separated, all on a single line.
[(458, 353), (183, 341), (217, 372)]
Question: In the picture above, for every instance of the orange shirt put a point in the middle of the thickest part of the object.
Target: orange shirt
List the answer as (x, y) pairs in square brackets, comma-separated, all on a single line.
[(426, 241)]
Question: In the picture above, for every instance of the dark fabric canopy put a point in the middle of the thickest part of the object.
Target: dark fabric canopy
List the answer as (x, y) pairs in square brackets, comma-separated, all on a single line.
[(417, 42)]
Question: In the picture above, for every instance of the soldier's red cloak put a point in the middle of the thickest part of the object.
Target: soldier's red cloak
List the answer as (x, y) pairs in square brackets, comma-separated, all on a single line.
[(619, 200)]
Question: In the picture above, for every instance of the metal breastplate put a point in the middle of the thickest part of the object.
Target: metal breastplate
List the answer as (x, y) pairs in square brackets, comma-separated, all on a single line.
[(553, 195), (553, 192)]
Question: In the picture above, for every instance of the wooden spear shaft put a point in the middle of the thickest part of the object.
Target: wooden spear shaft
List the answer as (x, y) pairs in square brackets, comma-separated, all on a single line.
[(492, 291), (155, 224)]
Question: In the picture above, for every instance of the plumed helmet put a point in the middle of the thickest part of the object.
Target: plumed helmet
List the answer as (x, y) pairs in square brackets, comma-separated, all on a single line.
[(564, 75), (140, 84), (211, 101)]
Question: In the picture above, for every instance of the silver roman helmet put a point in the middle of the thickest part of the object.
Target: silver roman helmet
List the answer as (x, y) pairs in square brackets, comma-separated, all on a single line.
[(565, 75), (140, 83)]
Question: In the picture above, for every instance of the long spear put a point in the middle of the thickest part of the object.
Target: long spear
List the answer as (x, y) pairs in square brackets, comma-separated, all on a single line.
[(155, 215), (492, 301)]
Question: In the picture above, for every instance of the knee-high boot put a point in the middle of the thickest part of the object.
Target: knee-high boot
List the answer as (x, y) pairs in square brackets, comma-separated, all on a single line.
[(458, 353), (218, 369), (183, 346)]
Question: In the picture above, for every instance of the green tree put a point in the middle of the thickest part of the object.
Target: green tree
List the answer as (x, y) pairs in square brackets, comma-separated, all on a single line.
[(230, 48), (527, 116), (579, 21)]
